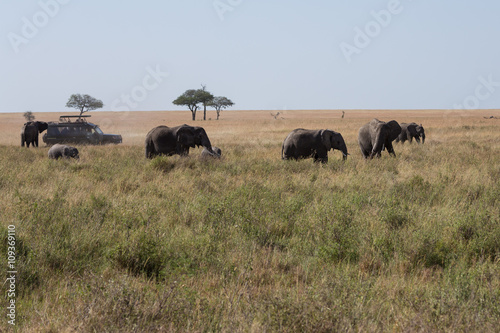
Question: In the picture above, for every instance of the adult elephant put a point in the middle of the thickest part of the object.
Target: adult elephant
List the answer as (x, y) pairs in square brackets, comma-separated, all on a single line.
[(376, 136), (410, 131), (304, 143), (164, 140), (30, 131)]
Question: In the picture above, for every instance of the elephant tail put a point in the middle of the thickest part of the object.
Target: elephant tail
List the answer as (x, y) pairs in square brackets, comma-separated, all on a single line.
[(282, 149)]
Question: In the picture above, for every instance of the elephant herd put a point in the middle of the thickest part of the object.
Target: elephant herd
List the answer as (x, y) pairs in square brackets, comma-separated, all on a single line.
[(373, 138), (29, 135)]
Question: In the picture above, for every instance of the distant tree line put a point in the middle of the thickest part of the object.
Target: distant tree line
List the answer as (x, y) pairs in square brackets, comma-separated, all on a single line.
[(194, 98)]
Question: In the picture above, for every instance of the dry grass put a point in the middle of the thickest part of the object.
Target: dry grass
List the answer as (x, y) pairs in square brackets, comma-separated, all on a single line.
[(115, 242)]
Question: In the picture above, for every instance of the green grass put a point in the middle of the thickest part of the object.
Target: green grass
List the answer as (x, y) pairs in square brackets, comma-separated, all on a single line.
[(115, 242)]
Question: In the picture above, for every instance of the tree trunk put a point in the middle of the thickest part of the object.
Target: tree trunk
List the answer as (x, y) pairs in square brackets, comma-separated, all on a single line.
[(204, 112), (218, 112), (193, 113)]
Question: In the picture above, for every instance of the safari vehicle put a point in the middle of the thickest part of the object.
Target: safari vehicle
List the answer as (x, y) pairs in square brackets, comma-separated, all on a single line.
[(76, 129)]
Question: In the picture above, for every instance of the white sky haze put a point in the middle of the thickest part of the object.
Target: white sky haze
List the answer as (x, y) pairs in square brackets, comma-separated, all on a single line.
[(274, 55)]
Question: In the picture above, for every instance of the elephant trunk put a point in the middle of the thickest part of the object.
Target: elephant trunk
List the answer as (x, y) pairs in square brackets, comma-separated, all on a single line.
[(423, 137), (206, 143), (343, 149), (212, 153)]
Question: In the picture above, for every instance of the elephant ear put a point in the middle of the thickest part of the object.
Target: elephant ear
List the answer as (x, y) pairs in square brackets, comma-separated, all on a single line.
[(185, 137), (394, 129), (42, 126), (326, 138)]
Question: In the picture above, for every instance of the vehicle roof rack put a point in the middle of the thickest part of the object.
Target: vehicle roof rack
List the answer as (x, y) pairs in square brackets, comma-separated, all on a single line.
[(67, 119)]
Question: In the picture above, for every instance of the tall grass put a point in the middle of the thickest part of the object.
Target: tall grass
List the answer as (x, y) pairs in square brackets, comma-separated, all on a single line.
[(115, 242)]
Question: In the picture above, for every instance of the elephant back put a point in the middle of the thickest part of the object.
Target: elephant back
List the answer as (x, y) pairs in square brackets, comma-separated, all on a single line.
[(155, 140)]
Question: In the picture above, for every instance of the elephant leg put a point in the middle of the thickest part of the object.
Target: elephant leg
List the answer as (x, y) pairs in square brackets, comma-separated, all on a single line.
[(182, 150), (288, 153), (390, 149), (365, 152), (378, 147), (320, 155), (322, 159)]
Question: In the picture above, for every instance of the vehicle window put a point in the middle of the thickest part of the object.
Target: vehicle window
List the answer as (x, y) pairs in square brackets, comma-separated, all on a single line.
[(66, 131), (98, 130), (53, 131)]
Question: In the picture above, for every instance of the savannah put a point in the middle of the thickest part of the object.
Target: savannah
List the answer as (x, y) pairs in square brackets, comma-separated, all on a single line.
[(115, 242)]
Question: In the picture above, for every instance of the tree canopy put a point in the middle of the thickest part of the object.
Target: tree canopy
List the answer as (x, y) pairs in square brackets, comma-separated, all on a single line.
[(219, 103), (29, 116), (84, 103), (192, 97)]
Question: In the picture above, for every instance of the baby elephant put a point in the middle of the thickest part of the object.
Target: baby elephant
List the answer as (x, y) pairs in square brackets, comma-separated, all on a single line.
[(206, 154), (57, 151)]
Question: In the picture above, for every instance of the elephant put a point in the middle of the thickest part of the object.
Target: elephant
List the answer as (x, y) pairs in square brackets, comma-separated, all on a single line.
[(206, 154), (30, 131), (376, 136), (410, 131), (304, 143), (164, 140), (62, 151)]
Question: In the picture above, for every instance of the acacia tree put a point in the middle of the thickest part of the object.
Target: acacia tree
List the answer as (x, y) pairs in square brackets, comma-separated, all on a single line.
[(190, 99), (205, 97), (219, 103), (29, 116), (83, 103)]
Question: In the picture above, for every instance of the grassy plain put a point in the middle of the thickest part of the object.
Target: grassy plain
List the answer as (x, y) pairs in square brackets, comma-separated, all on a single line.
[(115, 242)]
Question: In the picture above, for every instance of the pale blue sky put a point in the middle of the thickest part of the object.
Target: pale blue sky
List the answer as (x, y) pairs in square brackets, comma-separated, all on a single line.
[(273, 55)]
